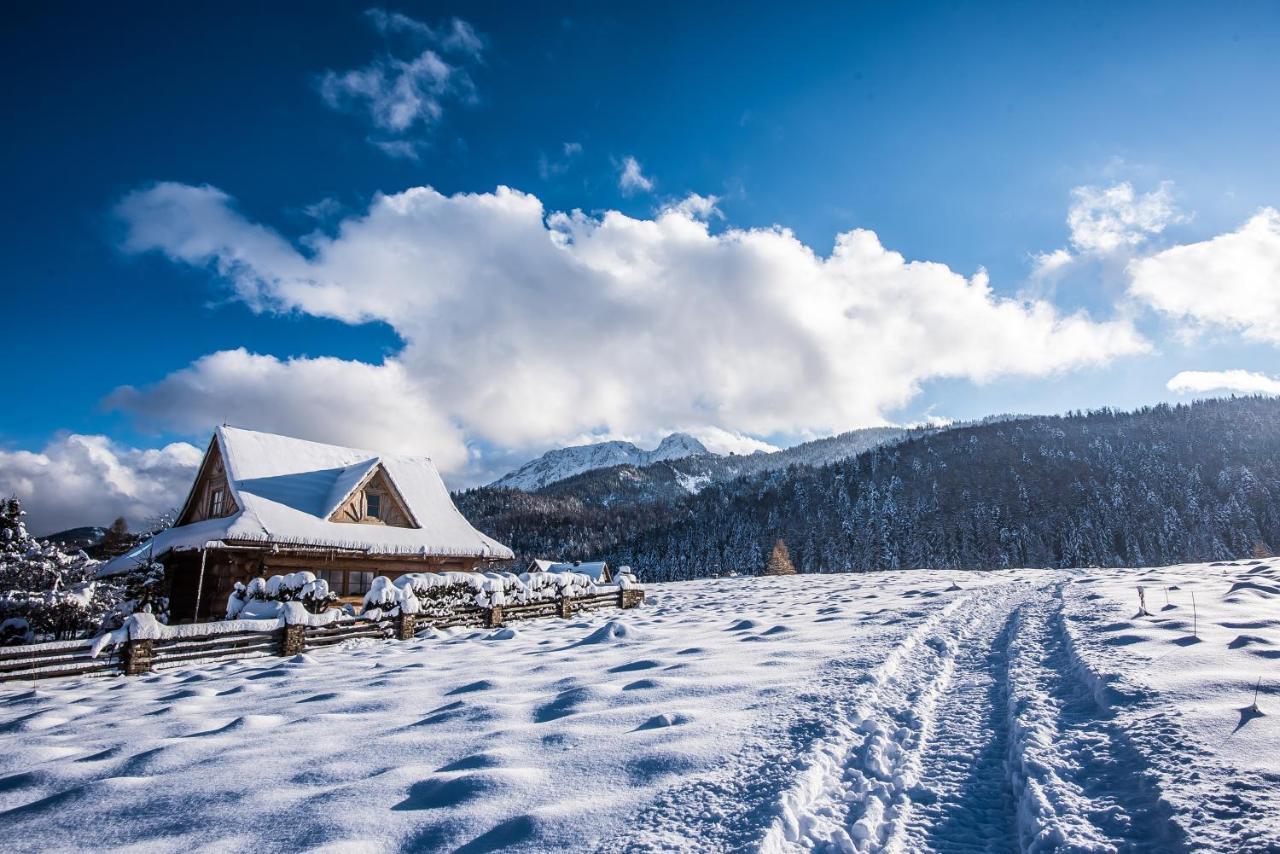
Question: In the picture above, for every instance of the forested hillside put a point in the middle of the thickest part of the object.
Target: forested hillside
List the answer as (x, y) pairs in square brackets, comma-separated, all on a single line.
[(1156, 486)]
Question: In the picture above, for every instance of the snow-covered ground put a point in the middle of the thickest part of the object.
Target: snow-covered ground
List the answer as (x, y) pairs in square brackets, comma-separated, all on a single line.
[(911, 711)]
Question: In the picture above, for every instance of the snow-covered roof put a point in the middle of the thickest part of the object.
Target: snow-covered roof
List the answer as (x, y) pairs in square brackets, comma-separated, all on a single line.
[(598, 570), (287, 488)]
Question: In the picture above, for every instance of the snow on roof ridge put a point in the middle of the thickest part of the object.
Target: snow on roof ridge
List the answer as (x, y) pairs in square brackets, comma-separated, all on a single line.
[(295, 439)]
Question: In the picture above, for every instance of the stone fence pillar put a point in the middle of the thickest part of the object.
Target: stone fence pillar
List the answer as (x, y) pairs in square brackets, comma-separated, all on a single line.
[(138, 656), (406, 626), (493, 618), (294, 640), (565, 606), (630, 597)]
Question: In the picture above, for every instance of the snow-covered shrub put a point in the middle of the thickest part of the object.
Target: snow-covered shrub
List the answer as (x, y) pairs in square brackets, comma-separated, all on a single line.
[(385, 599), (262, 597), (441, 594), (50, 591), (15, 630)]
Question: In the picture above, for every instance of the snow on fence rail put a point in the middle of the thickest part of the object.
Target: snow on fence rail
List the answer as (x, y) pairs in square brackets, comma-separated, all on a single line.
[(144, 645)]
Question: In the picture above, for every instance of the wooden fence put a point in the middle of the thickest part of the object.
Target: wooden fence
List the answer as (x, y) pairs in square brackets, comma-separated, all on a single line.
[(135, 656)]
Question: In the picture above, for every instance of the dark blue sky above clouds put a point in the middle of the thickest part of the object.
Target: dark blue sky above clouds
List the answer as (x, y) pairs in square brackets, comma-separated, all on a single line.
[(980, 138)]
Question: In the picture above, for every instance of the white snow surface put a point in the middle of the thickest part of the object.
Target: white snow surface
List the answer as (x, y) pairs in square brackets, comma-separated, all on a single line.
[(906, 711), (561, 463), (287, 488)]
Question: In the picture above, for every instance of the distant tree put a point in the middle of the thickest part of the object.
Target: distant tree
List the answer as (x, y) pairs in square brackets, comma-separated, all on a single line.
[(117, 540), (779, 560)]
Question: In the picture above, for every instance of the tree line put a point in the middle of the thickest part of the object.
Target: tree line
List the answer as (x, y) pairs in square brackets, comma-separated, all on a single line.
[(1159, 485)]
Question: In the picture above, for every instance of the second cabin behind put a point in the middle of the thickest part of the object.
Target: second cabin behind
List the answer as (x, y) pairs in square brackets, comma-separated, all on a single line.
[(599, 571)]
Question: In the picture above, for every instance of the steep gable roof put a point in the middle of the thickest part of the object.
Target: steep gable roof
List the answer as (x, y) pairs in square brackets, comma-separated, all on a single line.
[(287, 489)]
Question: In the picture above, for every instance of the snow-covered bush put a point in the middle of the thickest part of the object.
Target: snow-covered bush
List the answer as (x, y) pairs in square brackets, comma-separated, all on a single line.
[(263, 597), (46, 593), (440, 594)]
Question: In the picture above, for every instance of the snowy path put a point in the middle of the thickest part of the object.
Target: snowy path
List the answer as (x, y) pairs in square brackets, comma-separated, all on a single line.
[(965, 801), (1081, 784), (896, 774)]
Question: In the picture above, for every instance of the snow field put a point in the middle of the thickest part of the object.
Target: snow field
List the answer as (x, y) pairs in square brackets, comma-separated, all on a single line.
[(1017, 710), (549, 733), (1180, 684)]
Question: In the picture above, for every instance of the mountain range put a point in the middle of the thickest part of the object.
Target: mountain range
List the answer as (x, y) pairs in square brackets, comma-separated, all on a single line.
[(1159, 485), (561, 463), (608, 472)]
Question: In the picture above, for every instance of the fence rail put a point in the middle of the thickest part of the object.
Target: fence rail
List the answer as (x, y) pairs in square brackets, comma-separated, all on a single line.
[(135, 656)]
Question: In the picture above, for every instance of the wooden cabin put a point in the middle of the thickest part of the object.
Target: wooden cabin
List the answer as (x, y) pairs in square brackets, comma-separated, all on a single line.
[(264, 505)]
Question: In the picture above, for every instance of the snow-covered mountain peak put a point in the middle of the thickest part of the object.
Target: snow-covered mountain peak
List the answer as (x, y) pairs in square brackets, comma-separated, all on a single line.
[(566, 462), (677, 446)]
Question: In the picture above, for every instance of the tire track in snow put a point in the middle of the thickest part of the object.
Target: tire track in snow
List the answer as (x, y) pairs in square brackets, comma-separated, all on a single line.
[(856, 792), (1080, 783)]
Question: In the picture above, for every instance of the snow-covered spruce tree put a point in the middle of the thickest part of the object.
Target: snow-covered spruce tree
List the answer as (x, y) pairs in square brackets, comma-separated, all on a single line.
[(780, 560), (46, 593), (140, 591)]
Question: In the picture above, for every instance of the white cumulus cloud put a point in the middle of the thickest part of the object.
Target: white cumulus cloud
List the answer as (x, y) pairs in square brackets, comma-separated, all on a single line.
[(1104, 219), (1231, 281), (400, 92), (322, 399), (1047, 265), (631, 178), (90, 480), (523, 327), (1239, 381)]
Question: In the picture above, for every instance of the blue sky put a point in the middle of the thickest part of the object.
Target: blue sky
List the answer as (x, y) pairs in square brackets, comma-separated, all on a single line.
[(959, 134)]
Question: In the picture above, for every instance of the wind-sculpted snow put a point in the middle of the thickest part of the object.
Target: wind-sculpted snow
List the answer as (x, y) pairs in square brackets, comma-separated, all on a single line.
[(909, 711)]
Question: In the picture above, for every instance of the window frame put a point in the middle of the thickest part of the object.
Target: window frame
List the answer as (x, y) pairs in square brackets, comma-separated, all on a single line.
[(372, 500)]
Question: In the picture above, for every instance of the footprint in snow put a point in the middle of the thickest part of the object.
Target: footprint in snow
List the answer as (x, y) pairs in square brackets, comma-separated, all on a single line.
[(471, 688), (320, 698), (663, 721), (642, 664), (440, 792), (244, 723), (474, 762), (1248, 640), (565, 703), (641, 685)]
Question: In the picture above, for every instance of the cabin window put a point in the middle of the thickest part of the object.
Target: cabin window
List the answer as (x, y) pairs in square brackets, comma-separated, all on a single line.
[(358, 583), (373, 505), (346, 582), (217, 502)]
